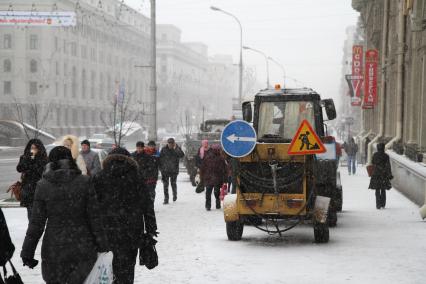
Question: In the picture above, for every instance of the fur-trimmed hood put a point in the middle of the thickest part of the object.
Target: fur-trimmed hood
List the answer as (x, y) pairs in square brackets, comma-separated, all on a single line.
[(119, 165), (75, 145)]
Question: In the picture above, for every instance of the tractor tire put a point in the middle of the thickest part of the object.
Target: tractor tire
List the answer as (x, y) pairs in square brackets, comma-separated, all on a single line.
[(234, 230), (339, 199), (321, 233), (332, 218)]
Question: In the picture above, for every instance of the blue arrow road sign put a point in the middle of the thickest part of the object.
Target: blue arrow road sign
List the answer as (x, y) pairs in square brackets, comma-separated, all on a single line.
[(238, 138)]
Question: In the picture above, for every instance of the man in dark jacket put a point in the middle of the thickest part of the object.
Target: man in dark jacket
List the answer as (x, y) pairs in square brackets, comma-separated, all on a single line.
[(91, 158), (31, 166), (382, 174), (126, 211), (62, 207), (148, 167), (137, 155), (351, 149), (6, 246), (169, 167)]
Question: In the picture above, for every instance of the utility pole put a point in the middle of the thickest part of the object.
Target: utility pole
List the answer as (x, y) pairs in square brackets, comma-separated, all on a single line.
[(152, 133)]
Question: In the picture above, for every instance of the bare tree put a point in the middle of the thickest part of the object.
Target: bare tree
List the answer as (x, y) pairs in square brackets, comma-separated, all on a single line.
[(186, 126), (33, 116), (123, 117)]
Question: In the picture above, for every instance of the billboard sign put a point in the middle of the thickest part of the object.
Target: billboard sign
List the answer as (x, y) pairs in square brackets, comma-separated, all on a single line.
[(32, 18), (370, 92), (357, 60)]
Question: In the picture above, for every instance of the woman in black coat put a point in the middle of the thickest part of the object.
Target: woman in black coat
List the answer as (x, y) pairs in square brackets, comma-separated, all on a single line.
[(127, 210), (6, 246), (62, 199), (381, 176), (31, 166)]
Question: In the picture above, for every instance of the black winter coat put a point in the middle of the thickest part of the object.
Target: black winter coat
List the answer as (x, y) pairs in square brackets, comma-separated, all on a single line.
[(6, 246), (382, 173), (214, 171), (169, 160), (62, 199), (31, 170), (125, 206), (148, 167)]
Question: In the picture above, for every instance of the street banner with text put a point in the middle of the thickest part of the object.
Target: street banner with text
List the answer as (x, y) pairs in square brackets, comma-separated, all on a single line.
[(34, 18), (357, 60), (370, 84)]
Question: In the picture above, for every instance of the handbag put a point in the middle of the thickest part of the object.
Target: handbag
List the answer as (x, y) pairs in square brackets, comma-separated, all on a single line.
[(12, 279), (102, 270), (15, 190), (370, 170), (147, 253)]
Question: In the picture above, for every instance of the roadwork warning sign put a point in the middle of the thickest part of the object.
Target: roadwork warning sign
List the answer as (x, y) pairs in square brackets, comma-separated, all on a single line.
[(306, 141)]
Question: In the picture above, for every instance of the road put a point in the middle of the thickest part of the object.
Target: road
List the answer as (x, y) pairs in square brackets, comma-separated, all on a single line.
[(367, 246)]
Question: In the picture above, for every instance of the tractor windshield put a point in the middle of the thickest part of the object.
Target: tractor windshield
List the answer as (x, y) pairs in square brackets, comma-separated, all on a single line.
[(281, 119)]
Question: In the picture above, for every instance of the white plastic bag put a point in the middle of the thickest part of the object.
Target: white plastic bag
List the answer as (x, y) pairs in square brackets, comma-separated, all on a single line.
[(102, 270)]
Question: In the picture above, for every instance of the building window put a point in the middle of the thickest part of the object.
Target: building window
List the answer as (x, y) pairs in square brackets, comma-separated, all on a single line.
[(163, 68), (57, 89), (33, 66), (74, 82), (83, 83), (74, 117), (33, 88), (7, 41), (92, 84), (58, 116), (65, 90), (57, 67), (83, 51), (56, 43), (7, 87), (7, 65), (65, 47), (101, 86), (33, 42), (73, 49), (65, 69), (93, 54)]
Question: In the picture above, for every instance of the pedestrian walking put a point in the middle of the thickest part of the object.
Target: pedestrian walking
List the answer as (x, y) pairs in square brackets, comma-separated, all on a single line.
[(6, 246), (91, 158), (61, 210), (148, 168), (31, 166), (214, 174), (169, 167), (351, 149), (72, 143), (127, 210), (381, 175), (137, 155)]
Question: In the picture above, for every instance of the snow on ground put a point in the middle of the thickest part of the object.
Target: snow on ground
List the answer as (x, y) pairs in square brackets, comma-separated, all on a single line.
[(367, 246)]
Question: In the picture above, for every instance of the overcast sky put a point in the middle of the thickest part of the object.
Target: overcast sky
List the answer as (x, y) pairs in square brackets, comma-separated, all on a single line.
[(306, 36)]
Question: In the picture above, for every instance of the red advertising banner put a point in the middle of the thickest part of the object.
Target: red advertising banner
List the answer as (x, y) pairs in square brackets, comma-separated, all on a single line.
[(370, 84), (357, 60)]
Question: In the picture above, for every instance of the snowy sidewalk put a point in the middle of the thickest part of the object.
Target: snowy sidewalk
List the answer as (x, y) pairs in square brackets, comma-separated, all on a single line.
[(367, 246)]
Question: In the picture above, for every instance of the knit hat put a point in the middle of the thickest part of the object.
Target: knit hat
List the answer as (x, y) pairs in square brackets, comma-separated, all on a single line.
[(60, 153)]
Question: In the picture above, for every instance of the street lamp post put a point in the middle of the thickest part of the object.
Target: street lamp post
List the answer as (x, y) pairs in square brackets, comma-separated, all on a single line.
[(240, 86), (281, 66), (266, 61)]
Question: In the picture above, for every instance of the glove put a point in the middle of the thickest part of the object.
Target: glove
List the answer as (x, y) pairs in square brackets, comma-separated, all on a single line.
[(30, 262)]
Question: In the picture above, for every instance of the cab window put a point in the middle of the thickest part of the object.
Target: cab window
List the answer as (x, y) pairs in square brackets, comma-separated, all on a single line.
[(282, 119)]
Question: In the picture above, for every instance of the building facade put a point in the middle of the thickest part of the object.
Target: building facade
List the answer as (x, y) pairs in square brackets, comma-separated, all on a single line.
[(190, 82), (397, 29), (72, 74)]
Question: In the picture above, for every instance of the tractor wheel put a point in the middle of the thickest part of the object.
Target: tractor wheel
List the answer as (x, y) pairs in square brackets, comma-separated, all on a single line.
[(321, 233), (234, 230), (332, 218), (339, 199)]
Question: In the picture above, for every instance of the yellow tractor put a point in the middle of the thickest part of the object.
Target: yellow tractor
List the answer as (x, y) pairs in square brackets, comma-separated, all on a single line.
[(275, 190)]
